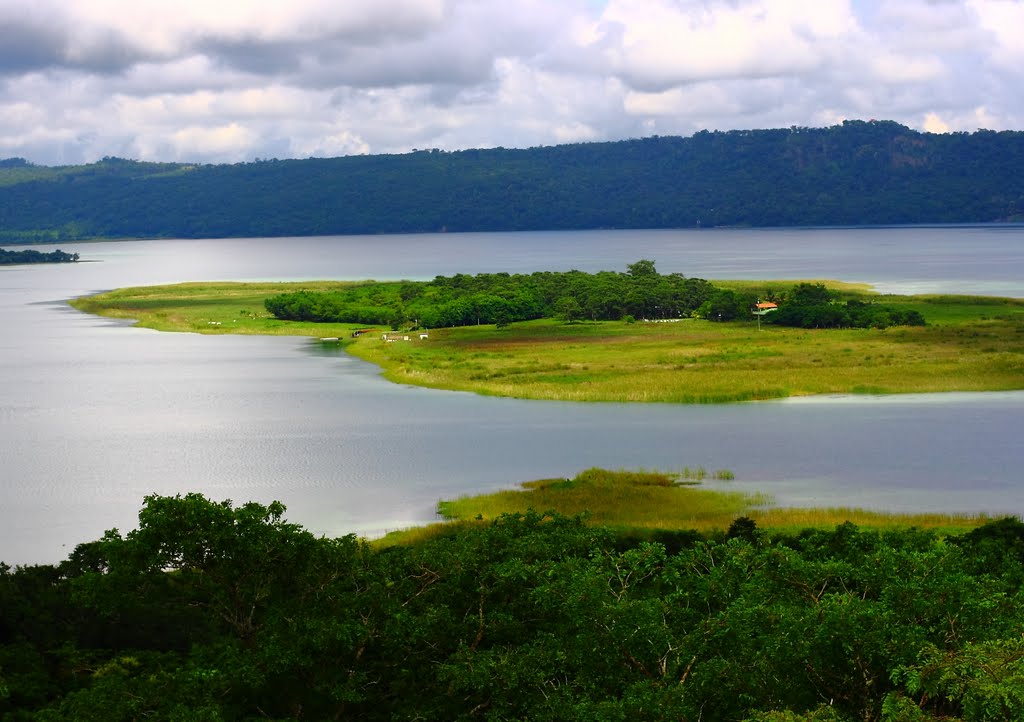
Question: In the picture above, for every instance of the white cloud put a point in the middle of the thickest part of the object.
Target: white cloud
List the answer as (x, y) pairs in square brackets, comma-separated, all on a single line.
[(703, 98), (657, 44), (235, 79), (892, 68), (934, 124), (332, 144), (218, 140), (21, 115), (1004, 19)]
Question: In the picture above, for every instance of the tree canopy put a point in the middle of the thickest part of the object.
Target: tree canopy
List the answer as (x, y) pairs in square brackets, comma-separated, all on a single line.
[(502, 298), (640, 292), (219, 612), (812, 305), (8, 257)]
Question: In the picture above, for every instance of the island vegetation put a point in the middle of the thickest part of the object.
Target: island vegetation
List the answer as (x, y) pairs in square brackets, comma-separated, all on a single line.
[(641, 292), (211, 611), (693, 341), (10, 257), (855, 173)]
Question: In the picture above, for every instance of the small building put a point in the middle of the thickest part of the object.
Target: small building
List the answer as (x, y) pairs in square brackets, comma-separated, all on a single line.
[(763, 308)]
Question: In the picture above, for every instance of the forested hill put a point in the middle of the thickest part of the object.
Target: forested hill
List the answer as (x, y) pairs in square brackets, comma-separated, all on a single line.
[(860, 172)]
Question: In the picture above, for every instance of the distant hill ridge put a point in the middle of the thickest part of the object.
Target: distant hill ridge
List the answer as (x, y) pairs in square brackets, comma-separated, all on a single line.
[(856, 173)]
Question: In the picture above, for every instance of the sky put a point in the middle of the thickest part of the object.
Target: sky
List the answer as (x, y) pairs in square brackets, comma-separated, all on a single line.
[(226, 81)]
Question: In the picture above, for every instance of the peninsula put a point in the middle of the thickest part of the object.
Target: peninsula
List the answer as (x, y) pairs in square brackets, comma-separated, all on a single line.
[(968, 343)]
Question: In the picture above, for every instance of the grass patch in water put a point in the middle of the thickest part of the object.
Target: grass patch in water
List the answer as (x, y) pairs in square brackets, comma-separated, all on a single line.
[(647, 501), (612, 498)]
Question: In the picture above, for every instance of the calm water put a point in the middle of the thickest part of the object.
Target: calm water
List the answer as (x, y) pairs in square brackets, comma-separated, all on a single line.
[(94, 414)]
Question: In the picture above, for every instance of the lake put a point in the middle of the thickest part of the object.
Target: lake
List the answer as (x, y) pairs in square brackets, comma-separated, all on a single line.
[(95, 414)]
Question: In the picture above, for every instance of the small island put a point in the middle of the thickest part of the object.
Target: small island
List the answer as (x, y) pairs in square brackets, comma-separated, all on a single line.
[(638, 336), (8, 257)]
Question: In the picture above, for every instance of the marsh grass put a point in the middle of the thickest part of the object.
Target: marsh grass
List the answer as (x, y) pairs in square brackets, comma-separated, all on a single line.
[(795, 519), (971, 344), (419, 534), (639, 502), (698, 361), (768, 288), (631, 499)]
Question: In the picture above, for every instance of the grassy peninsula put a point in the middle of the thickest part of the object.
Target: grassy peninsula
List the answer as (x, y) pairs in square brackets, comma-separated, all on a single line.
[(970, 343)]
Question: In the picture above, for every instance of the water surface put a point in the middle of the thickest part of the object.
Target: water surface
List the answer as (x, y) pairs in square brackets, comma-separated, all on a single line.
[(95, 414)]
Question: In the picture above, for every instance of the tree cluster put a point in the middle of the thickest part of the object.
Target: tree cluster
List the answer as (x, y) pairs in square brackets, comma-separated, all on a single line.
[(8, 257), (502, 298), (812, 305), (875, 172), (215, 612)]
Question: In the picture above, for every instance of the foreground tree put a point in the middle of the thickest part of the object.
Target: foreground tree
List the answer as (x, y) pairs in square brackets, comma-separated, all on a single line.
[(208, 611)]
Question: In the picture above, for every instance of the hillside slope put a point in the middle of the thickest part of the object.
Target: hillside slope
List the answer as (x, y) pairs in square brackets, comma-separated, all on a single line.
[(857, 173)]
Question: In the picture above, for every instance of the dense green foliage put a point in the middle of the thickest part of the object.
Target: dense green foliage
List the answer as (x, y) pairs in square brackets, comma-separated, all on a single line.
[(30, 256), (214, 612), (640, 292), (812, 305), (875, 172), (501, 298)]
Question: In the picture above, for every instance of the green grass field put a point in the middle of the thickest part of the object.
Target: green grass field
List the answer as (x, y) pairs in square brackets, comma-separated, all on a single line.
[(967, 346), (212, 308), (970, 344)]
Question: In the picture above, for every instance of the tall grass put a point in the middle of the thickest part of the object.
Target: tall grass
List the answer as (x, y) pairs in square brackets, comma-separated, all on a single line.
[(703, 362), (637, 500), (645, 502), (795, 519), (612, 498)]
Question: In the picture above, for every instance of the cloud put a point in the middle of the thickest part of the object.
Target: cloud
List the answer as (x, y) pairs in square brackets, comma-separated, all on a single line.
[(213, 140), (28, 43), (893, 68), (1003, 20), (934, 124), (237, 79), (657, 44)]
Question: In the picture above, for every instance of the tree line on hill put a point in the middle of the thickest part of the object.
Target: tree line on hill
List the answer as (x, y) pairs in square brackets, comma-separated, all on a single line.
[(639, 293), (856, 173), (215, 612)]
